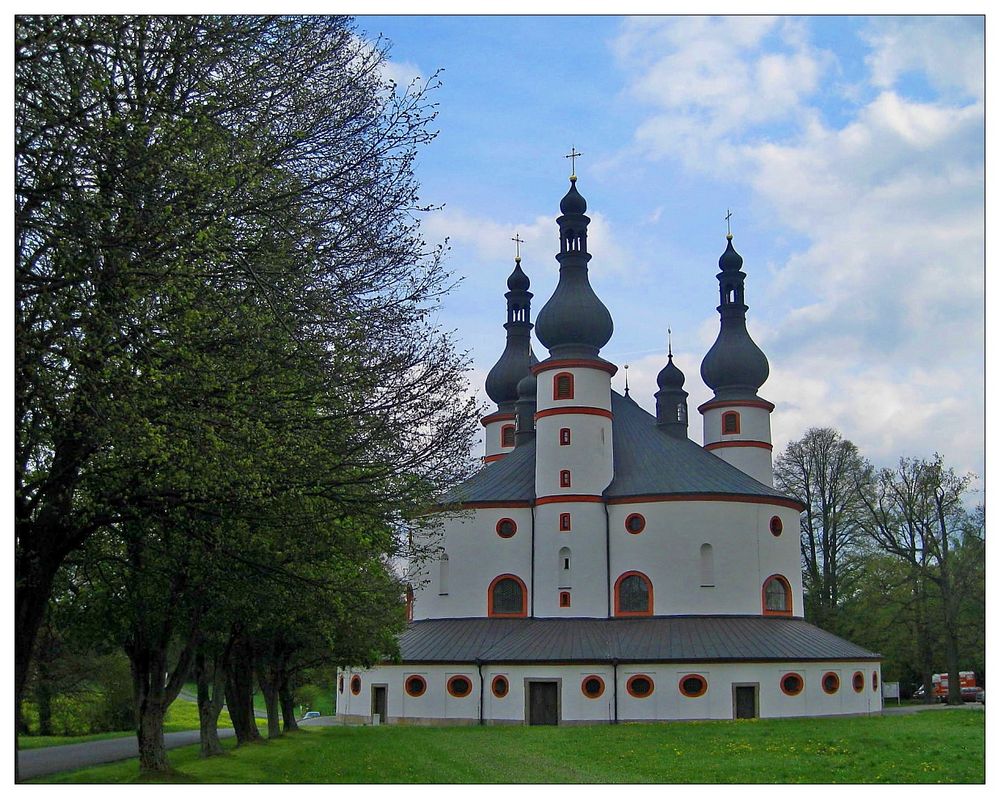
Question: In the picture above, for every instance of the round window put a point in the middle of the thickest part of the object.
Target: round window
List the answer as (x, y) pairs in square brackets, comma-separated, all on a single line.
[(500, 686), (635, 523), (776, 526), (415, 685), (693, 685), (506, 528), (640, 686), (792, 684), (459, 686), (592, 686), (831, 682), (355, 685), (858, 681)]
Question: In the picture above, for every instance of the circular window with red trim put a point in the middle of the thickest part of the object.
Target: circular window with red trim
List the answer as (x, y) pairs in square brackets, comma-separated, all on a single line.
[(459, 686), (506, 528), (640, 686), (858, 682), (635, 523), (792, 684), (693, 685), (415, 685), (775, 526), (340, 683), (592, 686), (500, 686), (831, 682), (355, 685), (874, 680)]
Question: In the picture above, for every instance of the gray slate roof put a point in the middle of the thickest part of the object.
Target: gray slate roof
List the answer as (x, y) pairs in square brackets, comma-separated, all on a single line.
[(654, 639), (647, 460)]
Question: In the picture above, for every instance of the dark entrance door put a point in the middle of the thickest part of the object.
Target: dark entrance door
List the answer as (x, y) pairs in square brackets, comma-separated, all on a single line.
[(745, 701), (543, 703), (378, 702)]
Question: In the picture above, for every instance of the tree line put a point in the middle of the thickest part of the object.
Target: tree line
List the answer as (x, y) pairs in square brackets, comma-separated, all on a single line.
[(232, 402), (892, 558)]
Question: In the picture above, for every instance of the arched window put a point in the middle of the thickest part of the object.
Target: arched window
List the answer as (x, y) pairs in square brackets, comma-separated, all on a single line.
[(565, 521), (564, 437), (633, 595), (565, 567), (562, 386), (682, 412), (564, 479), (564, 600), (508, 596), (507, 435), (730, 423), (707, 566), (443, 575), (777, 596)]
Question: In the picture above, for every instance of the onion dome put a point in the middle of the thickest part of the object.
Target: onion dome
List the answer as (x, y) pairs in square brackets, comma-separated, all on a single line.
[(574, 323), (735, 367), (517, 358), (670, 376), (671, 400)]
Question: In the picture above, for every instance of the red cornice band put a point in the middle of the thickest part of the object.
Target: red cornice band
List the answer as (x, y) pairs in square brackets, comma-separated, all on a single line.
[(497, 417), (578, 409), (741, 443), (707, 406), (569, 363)]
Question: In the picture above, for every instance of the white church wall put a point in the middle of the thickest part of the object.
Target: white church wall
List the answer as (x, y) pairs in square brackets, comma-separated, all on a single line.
[(591, 388), (492, 433), (588, 457), (587, 544)]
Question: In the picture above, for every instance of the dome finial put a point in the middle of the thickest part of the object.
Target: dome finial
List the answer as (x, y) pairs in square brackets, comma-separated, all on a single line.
[(573, 155), (626, 380), (518, 241), (670, 345), (729, 230)]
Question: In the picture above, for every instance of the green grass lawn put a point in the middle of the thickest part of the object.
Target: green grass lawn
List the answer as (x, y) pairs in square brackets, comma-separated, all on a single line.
[(946, 746)]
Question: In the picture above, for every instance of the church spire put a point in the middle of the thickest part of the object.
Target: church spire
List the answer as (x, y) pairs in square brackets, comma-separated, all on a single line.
[(671, 399), (517, 358)]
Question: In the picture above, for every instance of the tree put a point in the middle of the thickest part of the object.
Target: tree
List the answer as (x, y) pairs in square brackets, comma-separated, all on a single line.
[(916, 513), (822, 470)]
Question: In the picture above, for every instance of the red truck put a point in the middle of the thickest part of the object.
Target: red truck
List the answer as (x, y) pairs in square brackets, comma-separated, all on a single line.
[(966, 681)]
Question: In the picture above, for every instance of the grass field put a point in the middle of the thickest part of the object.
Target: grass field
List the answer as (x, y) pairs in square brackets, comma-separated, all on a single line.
[(927, 747)]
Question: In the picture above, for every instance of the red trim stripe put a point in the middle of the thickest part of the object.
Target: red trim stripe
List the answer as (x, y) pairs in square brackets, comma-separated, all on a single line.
[(707, 406), (496, 457), (744, 443), (782, 501), (497, 417), (577, 409), (570, 363), (569, 498)]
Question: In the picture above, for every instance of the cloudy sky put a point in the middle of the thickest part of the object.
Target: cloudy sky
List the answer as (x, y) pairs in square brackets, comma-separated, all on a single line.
[(850, 150)]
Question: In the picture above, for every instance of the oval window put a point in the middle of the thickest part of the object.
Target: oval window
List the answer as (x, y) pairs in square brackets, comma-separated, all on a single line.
[(500, 686), (635, 523), (640, 686), (858, 681), (459, 686), (693, 685), (340, 683), (776, 526), (592, 686), (831, 682), (792, 684), (355, 685), (415, 685), (506, 528), (874, 680)]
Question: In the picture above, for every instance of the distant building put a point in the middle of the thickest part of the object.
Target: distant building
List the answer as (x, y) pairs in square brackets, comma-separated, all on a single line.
[(603, 567)]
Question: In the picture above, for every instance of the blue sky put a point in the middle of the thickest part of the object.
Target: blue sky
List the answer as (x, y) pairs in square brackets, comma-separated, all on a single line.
[(850, 150)]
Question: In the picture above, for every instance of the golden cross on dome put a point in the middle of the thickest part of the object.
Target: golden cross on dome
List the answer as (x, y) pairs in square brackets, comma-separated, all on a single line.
[(573, 155), (729, 232), (518, 241)]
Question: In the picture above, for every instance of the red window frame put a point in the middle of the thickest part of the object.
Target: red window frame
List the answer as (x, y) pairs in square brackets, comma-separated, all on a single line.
[(592, 694), (564, 599), (511, 533), (524, 598), (788, 596), (787, 691), (570, 388), (500, 692), (692, 694), (565, 479), (858, 682), (642, 525), (835, 685), (631, 681), (355, 685), (410, 691), (455, 692), (565, 522), (507, 428), (649, 591), (735, 415), (565, 437), (874, 680), (775, 526)]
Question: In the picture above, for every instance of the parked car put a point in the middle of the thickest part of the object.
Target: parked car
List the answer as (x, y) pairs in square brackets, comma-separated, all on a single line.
[(981, 695), (312, 714)]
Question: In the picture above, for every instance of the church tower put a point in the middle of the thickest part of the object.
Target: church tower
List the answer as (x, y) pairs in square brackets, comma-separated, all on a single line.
[(514, 364), (671, 399), (737, 422), (573, 463)]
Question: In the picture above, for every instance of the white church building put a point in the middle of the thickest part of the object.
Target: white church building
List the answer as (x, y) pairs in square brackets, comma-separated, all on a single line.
[(603, 567)]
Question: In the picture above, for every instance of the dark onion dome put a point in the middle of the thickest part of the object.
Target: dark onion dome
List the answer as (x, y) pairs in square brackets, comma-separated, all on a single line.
[(527, 387), (574, 322), (670, 376), (735, 367), (517, 358)]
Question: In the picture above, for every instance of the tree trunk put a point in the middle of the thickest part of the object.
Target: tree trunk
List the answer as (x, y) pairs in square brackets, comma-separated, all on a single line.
[(211, 686), (239, 693), (43, 698), (270, 691), (152, 749), (287, 698)]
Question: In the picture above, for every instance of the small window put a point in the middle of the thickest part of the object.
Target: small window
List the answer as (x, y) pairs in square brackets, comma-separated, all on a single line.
[(592, 686), (565, 522), (874, 680), (564, 479), (415, 685), (633, 595), (459, 686), (792, 684), (707, 566), (507, 435), (730, 423), (355, 685), (506, 528), (858, 682), (777, 596), (640, 686), (562, 386), (775, 526), (635, 523), (831, 682), (500, 686), (564, 437), (507, 597), (443, 575), (693, 685), (340, 683), (564, 599)]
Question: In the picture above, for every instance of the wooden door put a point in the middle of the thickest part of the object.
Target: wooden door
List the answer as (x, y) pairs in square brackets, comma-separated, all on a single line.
[(745, 701), (543, 703), (379, 702)]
